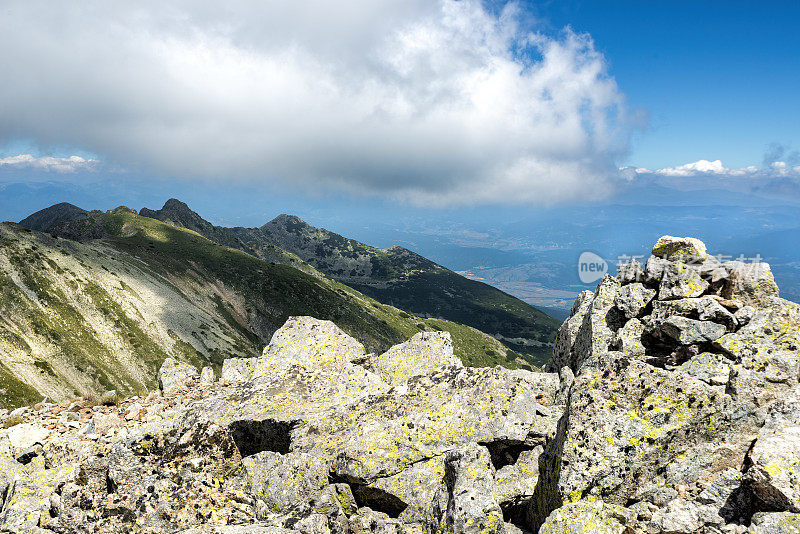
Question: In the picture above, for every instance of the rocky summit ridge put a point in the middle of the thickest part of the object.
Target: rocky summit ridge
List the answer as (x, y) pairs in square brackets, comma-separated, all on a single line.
[(671, 405)]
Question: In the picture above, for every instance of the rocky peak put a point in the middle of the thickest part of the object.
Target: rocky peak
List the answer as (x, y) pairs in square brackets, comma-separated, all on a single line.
[(672, 368), (681, 303), (49, 218), (178, 213), (175, 205), (291, 223)]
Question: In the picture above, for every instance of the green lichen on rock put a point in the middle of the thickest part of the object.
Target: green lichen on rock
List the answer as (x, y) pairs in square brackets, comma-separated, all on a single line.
[(584, 517), (680, 248), (311, 437)]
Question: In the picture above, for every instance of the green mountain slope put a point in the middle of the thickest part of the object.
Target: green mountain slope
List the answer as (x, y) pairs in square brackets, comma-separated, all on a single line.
[(102, 309), (404, 279), (178, 213), (394, 276)]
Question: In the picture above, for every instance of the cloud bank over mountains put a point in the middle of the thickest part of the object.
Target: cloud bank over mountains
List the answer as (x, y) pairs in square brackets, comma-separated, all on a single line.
[(69, 164), (705, 168), (432, 102), (773, 183)]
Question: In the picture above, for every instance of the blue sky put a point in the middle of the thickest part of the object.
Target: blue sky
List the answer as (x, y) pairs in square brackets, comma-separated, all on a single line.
[(415, 101), (419, 122), (719, 79)]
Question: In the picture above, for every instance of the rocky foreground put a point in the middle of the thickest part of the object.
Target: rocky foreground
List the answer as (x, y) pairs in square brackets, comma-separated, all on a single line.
[(674, 406)]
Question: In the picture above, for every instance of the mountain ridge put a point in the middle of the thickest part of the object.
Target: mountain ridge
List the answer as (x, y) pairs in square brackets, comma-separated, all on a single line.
[(48, 218), (395, 276), (100, 301)]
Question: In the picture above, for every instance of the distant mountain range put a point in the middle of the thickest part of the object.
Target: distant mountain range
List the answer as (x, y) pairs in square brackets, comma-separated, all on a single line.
[(394, 276), (527, 251), (92, 301)]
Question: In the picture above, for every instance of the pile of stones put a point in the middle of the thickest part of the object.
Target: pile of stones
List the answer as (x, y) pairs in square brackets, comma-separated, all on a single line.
[(671, 404)]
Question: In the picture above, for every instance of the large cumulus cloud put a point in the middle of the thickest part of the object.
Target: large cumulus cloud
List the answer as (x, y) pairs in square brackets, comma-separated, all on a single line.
[(431, 101)]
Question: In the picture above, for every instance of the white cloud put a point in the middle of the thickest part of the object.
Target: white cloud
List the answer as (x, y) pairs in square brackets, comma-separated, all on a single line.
[(47, 163), (703, 166), (424, 100), (706, 168), (783, 168)]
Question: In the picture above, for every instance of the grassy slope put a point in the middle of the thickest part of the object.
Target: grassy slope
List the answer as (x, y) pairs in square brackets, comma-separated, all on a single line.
[(71, 325), (446, 294), (286, 291), (394, 276), (73, 321), (401, 278)]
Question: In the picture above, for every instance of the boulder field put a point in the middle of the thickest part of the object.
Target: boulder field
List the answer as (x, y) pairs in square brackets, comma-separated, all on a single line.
[(671, 404)]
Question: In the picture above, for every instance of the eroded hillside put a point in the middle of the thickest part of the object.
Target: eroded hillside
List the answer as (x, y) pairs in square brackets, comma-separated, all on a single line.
[(102, 310)]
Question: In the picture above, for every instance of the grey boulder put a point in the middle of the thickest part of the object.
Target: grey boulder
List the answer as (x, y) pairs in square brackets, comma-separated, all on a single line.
[(633, 298), (174, 373), (751, 283), (630, 272), (681, 281), (691, 331), (680, 248)]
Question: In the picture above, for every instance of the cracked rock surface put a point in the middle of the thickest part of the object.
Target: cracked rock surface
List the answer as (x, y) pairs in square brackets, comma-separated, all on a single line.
[(671, 404), (682, 411), (313, 436)]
